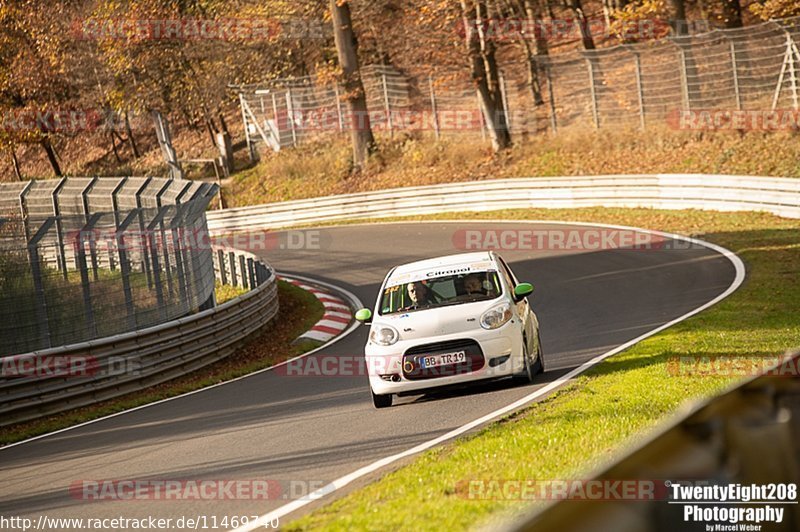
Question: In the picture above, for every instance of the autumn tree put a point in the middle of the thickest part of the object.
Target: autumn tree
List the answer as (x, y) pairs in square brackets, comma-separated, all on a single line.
[(347, 49)]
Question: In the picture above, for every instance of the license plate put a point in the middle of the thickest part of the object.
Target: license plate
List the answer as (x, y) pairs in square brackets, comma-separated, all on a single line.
[(444, 359)]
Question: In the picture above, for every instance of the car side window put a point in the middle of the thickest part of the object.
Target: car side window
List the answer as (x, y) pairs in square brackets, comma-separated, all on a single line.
[(508, 273)]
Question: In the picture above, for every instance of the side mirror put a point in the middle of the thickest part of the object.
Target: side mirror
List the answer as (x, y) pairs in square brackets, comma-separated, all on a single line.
[(364, 316), (522, 290)]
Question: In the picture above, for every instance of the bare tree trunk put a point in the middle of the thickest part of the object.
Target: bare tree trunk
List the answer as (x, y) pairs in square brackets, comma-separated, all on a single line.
[(131, 140), (732, 13), (484, 74), (679, 24), (533, 13), (114, 146), (15, 162), (347, 49), (586, 35), (222, 122), (51, 156)]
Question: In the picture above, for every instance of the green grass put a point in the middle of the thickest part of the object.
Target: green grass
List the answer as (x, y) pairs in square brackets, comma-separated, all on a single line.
[(597, 416), (299, 311)]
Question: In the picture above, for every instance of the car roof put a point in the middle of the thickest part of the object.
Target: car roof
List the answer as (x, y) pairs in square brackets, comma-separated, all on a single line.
[(478, 261)]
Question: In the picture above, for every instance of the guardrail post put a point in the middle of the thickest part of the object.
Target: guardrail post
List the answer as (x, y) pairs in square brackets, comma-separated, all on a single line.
[(232, 262), (221, 261), (251, 273), (243, 272)]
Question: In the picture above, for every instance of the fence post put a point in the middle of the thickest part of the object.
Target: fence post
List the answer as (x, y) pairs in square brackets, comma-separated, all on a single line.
[(553, 121), (639, 88), (792, 72), (735, 76), (290, 112), (41, 299), (338, 107), (480, 112), (433, 109), (386, 105), (88, 311), (593, 93), (246, 130), (684, 80), (504, 100)]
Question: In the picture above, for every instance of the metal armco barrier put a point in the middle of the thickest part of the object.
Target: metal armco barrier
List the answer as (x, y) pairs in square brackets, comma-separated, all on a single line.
[(780, 196), (90, 372), (749, 435)]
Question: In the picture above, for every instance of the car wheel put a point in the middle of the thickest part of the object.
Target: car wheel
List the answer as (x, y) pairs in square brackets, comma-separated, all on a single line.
[(538, 366), (527, 373), (381, 401)]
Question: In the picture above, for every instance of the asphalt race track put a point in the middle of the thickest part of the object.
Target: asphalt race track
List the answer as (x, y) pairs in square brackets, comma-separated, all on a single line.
[(306, 431)]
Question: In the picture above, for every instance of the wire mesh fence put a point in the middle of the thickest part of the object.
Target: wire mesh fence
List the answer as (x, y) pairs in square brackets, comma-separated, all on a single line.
[(672, 82), (84, 258)]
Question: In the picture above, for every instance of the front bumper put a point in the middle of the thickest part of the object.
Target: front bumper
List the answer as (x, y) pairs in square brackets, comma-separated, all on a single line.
[(394, 369)]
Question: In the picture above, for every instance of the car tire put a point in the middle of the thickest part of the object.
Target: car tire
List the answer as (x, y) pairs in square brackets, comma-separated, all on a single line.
[(527, 373), (538, 366), (381, 401)]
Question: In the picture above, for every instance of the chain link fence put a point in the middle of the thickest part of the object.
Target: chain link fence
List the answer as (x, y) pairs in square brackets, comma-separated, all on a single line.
[(664, 83), (84, 258)]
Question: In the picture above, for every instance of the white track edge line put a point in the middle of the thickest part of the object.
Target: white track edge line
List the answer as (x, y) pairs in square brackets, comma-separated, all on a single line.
[(383, 462), (352, 298)]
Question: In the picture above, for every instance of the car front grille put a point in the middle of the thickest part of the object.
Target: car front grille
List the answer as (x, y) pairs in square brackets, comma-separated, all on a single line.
[(412, 369)]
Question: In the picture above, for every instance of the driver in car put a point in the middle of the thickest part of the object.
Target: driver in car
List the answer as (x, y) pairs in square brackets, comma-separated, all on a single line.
[(473, 285), (420, 295)]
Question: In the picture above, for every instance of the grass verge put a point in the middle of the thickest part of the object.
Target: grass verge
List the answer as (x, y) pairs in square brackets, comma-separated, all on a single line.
[(598, 415), (299, 311)]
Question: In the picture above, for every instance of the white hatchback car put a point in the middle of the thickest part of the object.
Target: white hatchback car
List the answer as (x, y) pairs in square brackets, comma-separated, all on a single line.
[(447, 321)]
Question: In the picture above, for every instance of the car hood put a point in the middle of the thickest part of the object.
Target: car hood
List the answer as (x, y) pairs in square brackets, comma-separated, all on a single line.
[(426, 323)]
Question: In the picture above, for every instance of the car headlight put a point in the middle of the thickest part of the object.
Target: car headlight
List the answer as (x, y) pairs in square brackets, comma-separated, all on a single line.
[(384, 335), (496, 316)]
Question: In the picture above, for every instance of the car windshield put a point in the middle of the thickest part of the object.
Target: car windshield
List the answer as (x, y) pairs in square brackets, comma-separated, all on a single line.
[(440, 292)]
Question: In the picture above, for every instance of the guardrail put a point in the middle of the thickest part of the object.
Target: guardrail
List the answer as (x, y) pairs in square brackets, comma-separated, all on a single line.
[(720, 441), (85, 373), (780, 196)]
